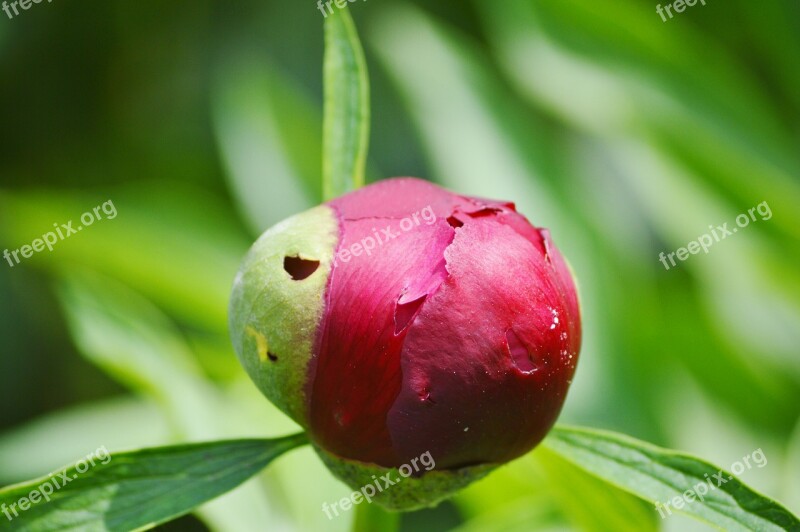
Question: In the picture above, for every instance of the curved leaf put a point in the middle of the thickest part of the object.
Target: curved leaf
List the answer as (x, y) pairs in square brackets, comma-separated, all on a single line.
[(139, 489), (660, 475)]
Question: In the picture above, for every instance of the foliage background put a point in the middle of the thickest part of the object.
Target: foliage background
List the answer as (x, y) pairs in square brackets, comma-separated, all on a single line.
[(625, 135)]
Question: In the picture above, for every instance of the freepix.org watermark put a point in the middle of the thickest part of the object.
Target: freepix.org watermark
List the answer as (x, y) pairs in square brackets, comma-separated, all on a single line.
[(379, 238), (678, 5), (55, 482), (23, 4), (61, 232), (701, 489), (717, 234), (326, 8), (368, 491)]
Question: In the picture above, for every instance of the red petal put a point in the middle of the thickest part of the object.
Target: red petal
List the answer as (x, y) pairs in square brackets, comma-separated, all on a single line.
[(481, 404), (458, 336)]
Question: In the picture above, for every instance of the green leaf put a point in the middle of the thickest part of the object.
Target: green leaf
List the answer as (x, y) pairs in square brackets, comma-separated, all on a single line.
[(136, 344), (345, 133), (163, 231), (588, 502), (131, 340), (140, 489), (660, 475), (123, 421)]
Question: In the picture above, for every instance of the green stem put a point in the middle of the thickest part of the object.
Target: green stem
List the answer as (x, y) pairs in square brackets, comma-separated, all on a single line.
[(372, 518)]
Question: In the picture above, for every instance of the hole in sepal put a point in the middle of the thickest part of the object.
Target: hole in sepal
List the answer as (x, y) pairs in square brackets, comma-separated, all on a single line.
[(299, 268)]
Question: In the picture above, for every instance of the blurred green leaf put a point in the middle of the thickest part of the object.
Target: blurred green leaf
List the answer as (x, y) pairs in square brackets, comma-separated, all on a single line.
[(269, 132), (521, 515), (772, 32), (130, 339), (140, 489), (171, 242), (631, 35), (133, 342), (659, 475), (791, 482), (115, 423), (444, 82), (346, 122), (705, 108), (511, 486)]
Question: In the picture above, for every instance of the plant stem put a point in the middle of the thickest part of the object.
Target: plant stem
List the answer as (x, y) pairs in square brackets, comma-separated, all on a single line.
[(373, 518)]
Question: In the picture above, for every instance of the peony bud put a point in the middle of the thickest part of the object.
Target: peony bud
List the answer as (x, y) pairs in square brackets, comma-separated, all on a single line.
[(402, 319)]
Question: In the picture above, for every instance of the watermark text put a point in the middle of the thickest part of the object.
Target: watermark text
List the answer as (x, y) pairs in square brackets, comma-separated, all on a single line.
[(711, 482), (717, 234), (55, 482), (368, 491), (61, 232)]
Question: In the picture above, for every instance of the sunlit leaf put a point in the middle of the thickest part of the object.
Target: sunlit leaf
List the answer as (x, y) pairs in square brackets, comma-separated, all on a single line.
[(586, 502), (661, 476)]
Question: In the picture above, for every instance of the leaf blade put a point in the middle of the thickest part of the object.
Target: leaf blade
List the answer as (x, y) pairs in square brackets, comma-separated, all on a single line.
[(345, 136), (140, 489), (657, 475)]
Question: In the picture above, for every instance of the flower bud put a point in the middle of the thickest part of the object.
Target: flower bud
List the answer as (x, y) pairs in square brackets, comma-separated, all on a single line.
[(403, 320)]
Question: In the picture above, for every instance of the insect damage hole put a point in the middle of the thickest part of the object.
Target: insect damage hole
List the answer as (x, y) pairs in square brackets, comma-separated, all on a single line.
[(299, 268), (454, 222), (486, 211)]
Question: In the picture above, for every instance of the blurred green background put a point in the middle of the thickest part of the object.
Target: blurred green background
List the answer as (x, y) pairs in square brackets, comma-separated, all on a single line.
[(625, 135)]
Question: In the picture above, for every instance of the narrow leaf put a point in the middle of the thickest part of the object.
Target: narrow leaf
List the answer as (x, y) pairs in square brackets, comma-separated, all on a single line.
[(136, 490), (346, 118), (660, 475)]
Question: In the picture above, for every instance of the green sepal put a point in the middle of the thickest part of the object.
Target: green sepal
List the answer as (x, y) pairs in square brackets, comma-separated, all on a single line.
[(410, 492), (274, 318)]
